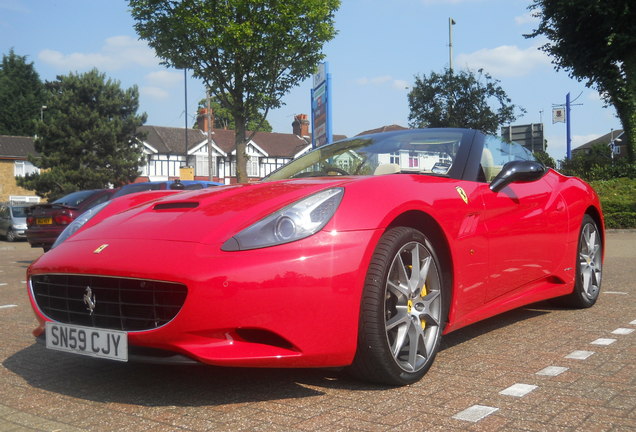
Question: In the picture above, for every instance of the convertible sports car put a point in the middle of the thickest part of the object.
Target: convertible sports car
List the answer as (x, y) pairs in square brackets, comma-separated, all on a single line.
[(361, 253)]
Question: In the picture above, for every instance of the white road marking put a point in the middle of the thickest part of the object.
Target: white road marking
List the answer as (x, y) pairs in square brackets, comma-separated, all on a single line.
[(603, 341), (552, 371), (8, 306), (579, 355), (615, 292), (518, 390), (623, 331), (475, 413)]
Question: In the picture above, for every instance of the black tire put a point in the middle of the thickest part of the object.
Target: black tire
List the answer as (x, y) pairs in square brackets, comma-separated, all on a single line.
[(10, 235), (402, 311), (589, 267)]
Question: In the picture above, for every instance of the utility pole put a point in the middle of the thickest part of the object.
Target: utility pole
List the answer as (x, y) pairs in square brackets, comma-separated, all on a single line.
[(209, 122), (451, 23)]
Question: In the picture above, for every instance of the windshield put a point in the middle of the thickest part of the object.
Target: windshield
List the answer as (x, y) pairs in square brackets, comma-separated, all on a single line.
[(426, 151), (19, 212), (74, 199)]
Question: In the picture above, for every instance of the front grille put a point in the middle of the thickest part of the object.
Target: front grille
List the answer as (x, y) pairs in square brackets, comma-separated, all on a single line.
[(119, 303)]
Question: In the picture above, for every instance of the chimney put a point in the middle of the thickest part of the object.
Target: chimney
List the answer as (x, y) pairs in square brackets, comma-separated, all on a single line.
[(300, 126), (202, 119)]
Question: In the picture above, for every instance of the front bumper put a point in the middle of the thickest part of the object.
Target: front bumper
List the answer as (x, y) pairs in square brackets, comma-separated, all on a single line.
[(293, 305)]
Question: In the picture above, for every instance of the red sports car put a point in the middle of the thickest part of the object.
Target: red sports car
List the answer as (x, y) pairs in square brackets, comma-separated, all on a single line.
[(361, 254)]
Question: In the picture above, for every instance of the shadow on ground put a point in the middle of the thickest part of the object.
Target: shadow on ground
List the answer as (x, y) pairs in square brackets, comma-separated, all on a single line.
[(194, 385)]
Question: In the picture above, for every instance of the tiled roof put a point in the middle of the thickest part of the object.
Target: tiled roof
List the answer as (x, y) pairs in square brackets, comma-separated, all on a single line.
[(389, 128), (605, 139), (16, 147), (171, 140)]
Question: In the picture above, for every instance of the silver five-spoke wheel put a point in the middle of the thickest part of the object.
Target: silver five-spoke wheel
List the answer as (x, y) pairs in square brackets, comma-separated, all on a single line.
[(403, 310)]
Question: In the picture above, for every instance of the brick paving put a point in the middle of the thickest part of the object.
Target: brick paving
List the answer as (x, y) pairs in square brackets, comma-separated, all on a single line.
[(41, 390)]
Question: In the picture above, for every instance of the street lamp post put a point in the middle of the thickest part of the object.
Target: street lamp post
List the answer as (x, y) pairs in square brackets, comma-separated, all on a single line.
[(451, 23), (42, 108)]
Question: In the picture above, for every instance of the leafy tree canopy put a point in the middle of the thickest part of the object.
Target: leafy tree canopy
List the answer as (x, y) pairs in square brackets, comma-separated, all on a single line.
[(21, 96), (249, 53), (223, 118), (460, 99), (595, 41), (87, 138)]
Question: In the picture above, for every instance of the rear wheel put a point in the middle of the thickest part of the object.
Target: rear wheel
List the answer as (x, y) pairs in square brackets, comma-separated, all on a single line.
[(589, 266), (402, 312)]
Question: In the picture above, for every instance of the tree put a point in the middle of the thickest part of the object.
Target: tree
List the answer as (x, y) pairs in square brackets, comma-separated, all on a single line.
[(21, 96), (249, 53), (595, 41), (223, 118), (452, 99), (87, 139), (545, 158)]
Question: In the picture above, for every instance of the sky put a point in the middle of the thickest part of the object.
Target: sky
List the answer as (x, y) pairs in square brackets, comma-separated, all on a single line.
[(381, 46)]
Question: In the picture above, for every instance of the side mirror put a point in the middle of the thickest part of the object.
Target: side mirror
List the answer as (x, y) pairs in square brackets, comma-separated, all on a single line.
[(517, 172)]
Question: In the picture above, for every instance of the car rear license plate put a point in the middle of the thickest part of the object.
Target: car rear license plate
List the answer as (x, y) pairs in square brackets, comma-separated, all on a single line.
[(44, 221), (110, 344)]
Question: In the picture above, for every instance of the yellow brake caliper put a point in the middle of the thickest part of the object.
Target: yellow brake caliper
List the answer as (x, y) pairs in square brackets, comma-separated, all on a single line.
[(423, 294)]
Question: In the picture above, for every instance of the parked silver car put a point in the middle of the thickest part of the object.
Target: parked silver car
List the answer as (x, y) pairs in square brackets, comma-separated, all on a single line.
[(13, 221)]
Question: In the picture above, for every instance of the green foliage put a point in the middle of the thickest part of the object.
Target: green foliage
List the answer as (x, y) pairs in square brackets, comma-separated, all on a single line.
[(618, 200), (223, 118), (249, 53), (21, 96), (545, 159), (87, 139), (595, 41), (460, 99), (598, 165)]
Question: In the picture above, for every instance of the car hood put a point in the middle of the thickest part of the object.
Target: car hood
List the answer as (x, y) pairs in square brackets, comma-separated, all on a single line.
[(207, 215)]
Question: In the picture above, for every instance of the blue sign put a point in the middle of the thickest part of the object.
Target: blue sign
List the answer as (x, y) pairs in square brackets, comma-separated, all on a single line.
[(321, 107)]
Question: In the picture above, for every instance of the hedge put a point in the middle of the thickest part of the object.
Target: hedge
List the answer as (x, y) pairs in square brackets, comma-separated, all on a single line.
[(618, 199)]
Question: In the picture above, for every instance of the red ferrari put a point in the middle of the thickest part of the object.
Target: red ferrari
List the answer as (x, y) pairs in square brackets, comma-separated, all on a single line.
[(362, 254)]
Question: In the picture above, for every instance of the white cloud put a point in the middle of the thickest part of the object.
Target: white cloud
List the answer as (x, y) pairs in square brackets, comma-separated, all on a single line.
[(164, 78), (118, 52), (504, 61), (527, 18), (383, 80), (155, 93)]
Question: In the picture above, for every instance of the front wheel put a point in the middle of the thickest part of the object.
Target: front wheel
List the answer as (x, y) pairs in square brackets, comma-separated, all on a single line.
[(10, 235), (589, 266), (402, 312)]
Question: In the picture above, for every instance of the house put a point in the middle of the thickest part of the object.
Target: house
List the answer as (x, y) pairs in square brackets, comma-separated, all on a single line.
[(14, 151), (614, 140), (166, 151)]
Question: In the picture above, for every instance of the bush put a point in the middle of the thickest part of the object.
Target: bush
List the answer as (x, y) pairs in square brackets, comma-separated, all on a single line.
[(618, 199)]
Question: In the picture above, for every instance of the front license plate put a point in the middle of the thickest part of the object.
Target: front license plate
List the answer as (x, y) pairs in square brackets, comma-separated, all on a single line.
[(110, 344), (44, 221)]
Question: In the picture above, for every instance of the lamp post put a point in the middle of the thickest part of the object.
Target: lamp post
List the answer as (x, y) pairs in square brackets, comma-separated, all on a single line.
[(451, 23), (42, 108)]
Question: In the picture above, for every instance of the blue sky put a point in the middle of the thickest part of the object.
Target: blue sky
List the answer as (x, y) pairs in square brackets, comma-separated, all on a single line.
[(381, 46)]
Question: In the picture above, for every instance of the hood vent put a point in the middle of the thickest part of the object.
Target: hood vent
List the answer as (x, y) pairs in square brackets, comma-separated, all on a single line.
[(184, 205)]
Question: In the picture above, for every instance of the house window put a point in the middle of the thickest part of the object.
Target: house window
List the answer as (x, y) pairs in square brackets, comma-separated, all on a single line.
[(414, 162), (395, 158), (23, 168), (252, 166), (202, 168)]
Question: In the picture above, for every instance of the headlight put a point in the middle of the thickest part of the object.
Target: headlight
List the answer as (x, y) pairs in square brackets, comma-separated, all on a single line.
[(79, 222), (294, 222)]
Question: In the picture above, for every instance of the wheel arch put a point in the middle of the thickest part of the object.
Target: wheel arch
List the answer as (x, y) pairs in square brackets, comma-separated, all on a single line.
[(595, 214), (427, 225)]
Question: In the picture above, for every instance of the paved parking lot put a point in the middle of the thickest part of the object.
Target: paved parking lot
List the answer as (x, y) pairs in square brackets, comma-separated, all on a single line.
[(539, 368)]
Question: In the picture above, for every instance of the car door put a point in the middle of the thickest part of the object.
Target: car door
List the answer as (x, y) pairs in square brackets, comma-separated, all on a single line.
[(521, 243)]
